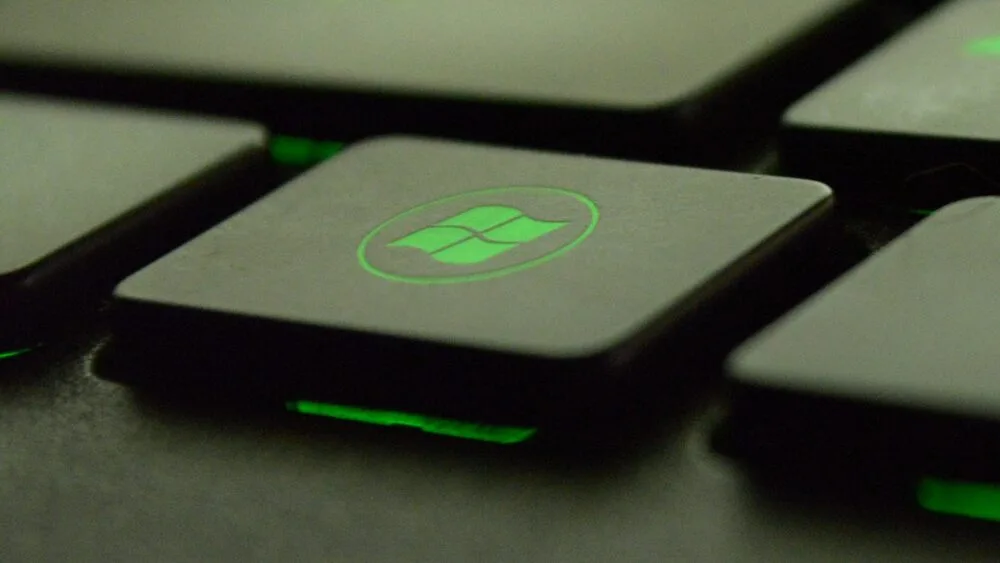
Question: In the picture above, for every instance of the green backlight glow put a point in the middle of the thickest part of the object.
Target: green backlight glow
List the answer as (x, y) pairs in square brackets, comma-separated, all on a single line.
[(973, 500), (985, 46), (446, 427), (297, 151), (14, 353), (923, 212)]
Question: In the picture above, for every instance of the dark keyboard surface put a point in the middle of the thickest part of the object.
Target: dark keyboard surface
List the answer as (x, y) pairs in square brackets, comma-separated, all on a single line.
[(92, 469)]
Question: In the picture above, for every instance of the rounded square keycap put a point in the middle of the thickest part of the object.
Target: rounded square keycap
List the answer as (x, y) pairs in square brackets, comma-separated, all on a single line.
[(79, 181), (913, 326), (462, 257), (924, 100), (558, 51), (583, 75), (899, 354)]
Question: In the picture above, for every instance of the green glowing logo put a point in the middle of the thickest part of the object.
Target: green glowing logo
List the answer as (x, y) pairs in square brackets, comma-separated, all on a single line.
[(478, 235), (989, 46)]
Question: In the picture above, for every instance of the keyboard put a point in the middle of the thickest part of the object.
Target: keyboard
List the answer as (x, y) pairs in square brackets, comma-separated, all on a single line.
[(666, 280)]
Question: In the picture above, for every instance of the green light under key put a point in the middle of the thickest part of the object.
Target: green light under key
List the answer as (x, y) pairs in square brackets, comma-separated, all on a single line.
[(959, 498), (299, 151), (431, 425), (14, 353)]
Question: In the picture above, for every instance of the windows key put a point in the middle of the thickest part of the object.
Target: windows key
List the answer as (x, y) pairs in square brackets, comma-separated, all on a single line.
[(454, 279)]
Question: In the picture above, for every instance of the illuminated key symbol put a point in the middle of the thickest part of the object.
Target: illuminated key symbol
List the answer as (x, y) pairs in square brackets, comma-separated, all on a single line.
[(476, 235), (987, 46)]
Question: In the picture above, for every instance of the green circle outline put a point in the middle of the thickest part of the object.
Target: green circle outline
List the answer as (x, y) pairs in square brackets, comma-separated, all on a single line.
[(595, 216)]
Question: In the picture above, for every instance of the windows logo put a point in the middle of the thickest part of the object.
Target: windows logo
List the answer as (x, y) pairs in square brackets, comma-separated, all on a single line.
[(477, 235)]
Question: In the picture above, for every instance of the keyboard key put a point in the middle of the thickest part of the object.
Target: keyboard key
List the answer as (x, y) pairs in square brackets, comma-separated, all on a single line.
[(87, 190), (630, 77), (893, 364), (440, 278), (922, 103)]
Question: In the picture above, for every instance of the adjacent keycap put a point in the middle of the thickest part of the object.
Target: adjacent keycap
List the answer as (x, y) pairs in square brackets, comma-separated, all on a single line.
[(610, 78), (894, 362), (922, 103), (452, 275), (86, 190)]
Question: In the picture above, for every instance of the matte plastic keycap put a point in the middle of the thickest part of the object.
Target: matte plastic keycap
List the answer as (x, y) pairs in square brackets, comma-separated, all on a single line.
[(924, 101), (455, 275), (588, 75), (86, 190), (895, 361)]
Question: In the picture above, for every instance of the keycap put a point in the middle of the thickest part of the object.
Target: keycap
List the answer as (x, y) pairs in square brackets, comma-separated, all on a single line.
[(427, 276), (894, 364), (924, 104), (88, 191), (630, 77)]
